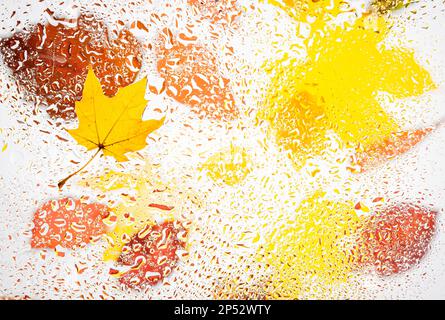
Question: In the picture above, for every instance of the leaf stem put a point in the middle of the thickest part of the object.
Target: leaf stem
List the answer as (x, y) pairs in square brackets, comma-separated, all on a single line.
[(63, 181)]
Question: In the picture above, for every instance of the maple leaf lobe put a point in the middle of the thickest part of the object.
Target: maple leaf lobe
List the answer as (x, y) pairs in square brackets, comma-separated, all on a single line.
[(113, 124)]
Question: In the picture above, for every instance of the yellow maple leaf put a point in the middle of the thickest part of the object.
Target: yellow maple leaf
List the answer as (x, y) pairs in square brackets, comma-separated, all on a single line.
[(112, 125)]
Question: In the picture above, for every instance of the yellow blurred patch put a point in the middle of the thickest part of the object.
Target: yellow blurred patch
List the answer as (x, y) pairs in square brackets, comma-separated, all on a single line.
[(313, 250), (230, 166), (337, 86), (134, 210)]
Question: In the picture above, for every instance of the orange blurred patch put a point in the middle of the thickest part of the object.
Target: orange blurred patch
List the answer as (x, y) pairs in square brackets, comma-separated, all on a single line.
[(389, 148), (67, 223), (192, 77)]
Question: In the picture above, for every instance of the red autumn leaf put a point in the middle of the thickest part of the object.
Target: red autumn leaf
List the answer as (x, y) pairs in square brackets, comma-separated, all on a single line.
[(68, 223), (396, 238), (51, 61), (391, 147), (152, 253), (192, 77)]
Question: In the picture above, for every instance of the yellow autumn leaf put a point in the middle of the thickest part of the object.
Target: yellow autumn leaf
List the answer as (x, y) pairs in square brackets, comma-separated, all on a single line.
[(112, 125)]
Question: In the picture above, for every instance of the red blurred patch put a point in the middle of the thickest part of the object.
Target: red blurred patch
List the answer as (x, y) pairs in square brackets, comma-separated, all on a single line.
[(152, 253), (51, 61), (397, 238)]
